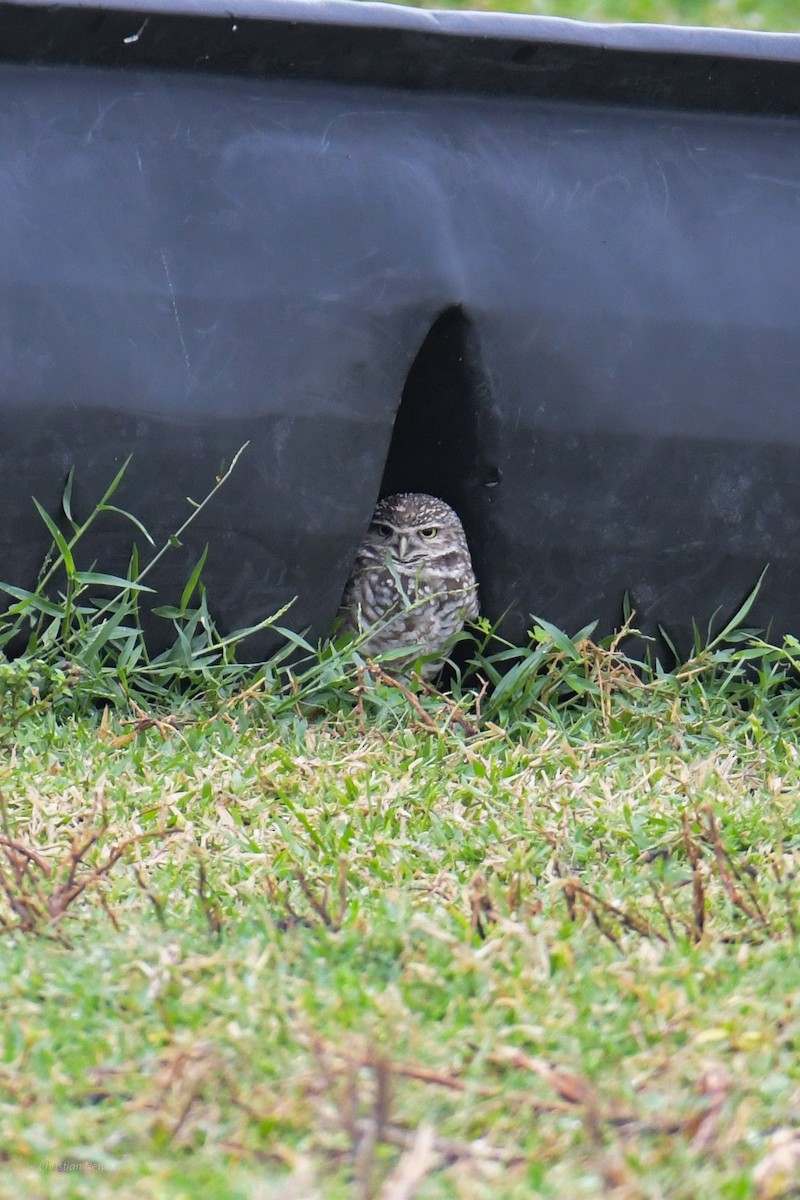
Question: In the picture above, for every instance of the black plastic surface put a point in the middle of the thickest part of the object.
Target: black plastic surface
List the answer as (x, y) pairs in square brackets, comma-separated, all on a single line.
[(590, 309)]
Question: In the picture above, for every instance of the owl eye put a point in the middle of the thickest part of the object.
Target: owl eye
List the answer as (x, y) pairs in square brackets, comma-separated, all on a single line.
[(384, 531), (430, 531)]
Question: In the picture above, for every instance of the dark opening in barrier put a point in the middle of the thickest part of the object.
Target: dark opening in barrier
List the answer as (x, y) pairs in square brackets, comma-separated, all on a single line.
[(444, 441)]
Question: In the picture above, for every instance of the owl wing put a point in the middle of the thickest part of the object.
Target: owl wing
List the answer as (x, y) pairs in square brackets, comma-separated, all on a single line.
[(472, 606)]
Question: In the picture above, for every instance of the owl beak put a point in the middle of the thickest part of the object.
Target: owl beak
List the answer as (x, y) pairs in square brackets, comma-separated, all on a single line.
[(403, 548)]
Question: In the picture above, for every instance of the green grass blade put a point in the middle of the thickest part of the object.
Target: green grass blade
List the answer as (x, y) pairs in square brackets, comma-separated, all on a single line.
[(58, 538), (31, 600), (557, 636), (740, 614), (115, 482), (192, 581), (66, 498), (102, 636), (128, 517), (100, 579)]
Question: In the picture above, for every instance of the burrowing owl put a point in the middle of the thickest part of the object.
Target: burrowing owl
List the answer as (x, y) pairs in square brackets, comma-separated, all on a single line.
[(412, 579)]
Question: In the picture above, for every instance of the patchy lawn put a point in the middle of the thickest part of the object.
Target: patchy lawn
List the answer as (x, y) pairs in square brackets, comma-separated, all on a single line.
[(389, 954)]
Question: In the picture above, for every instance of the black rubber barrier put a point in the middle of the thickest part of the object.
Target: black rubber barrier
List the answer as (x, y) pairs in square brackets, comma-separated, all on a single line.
[(545, 270)]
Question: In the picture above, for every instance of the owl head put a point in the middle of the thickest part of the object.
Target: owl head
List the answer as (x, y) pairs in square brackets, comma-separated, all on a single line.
[(414, 528)]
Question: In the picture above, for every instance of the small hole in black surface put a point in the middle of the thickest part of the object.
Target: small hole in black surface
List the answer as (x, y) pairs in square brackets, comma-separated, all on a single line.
[(444, 435)]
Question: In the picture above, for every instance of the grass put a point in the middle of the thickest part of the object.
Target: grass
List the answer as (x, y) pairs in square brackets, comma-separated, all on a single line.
[(302, 931), (777, 15), (329, 956)]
